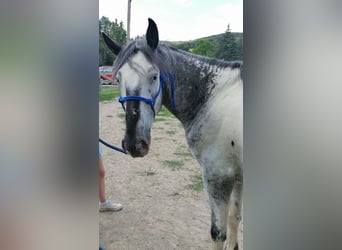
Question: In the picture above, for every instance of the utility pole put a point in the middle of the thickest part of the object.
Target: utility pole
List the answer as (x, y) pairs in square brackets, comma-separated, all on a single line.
[(129, 20)]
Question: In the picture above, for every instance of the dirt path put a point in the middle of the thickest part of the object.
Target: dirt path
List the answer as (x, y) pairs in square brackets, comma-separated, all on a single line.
[(163, 208)]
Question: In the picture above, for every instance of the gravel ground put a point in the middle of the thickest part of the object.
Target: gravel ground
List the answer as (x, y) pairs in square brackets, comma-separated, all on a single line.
[(164, 204)]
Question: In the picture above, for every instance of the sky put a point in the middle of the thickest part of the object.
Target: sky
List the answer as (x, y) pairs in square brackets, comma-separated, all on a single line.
[(177, 20)]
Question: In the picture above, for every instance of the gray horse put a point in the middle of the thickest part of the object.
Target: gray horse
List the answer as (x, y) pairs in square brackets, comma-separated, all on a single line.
[(206, 95)]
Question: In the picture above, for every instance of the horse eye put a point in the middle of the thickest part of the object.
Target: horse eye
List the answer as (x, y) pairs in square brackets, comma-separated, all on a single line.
[(154, 78)]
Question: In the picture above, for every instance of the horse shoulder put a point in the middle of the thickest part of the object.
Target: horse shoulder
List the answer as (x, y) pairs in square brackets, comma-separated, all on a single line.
[(216, 132)]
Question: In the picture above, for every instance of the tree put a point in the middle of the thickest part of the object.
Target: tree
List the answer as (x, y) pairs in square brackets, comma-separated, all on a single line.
[(239, 48), (204, 48), (229, 47), (114, 30)]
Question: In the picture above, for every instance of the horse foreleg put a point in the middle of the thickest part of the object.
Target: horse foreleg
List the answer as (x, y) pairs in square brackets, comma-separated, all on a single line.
[(218, 223), (219, 190), (234, 216)]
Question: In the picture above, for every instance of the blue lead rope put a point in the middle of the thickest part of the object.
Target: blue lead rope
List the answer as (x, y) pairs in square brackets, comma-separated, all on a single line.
[(112, 147)]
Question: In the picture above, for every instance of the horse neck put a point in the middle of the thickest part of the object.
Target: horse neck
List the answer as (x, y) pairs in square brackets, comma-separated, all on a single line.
[(194, 78)]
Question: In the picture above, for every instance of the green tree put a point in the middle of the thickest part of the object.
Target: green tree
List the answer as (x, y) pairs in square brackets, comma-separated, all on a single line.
[(239, 47), (204, 48), (114, 30), (229, 47)]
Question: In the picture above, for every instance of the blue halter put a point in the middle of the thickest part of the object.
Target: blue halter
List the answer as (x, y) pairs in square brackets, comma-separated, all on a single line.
[(151, 101)]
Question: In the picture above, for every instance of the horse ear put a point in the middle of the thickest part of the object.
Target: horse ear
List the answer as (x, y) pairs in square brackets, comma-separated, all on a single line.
[(152, 36), (112, 45)]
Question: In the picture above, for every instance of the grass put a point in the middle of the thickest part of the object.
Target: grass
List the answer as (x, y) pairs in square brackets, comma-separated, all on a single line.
[(171, 132), (150, 172), (106, 86), (174, 164), (160, 119), (196, 183), (164, 112), (121, 115), (184, 153), (109, 95), (163, 115)]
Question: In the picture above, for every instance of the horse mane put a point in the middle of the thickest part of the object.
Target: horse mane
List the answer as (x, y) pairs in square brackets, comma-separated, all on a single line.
[(210, 60)]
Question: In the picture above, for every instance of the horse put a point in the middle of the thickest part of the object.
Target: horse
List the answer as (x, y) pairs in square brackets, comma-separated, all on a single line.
[(206, 95)]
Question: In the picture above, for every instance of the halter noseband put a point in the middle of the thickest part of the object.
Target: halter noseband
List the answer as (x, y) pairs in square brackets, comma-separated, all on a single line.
[(151, 101)]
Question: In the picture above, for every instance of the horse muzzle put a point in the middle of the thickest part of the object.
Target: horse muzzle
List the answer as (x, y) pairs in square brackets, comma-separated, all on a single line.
[(136, 148)]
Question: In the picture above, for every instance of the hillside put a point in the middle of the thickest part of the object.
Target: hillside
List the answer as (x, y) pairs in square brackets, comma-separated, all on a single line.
[(220, 45)]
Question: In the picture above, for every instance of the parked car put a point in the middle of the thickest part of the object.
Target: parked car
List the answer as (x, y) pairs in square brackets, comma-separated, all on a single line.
[(106, 74)]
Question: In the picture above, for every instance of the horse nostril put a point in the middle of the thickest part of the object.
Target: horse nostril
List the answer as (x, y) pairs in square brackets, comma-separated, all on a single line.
[(144, 144)]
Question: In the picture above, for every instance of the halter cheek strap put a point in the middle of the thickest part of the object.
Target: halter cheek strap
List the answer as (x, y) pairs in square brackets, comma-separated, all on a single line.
[(151, 101)]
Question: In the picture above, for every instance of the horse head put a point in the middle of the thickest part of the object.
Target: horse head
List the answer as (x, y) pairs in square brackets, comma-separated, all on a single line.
[(137, 71)]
